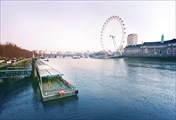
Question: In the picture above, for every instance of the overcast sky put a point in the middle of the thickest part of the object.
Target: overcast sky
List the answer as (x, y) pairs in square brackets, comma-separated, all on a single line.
[(76, 26)]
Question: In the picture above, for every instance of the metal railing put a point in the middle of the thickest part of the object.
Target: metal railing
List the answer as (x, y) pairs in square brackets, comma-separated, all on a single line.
[(15, 73)]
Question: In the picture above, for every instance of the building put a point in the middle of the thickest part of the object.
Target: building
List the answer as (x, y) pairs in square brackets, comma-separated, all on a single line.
[(152, 49), (132, 39)]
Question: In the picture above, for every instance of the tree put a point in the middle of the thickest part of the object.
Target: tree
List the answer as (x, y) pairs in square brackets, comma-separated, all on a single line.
[(10, 51)]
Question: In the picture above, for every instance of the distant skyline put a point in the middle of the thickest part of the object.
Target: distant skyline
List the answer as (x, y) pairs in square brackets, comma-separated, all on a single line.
[(76, 25)]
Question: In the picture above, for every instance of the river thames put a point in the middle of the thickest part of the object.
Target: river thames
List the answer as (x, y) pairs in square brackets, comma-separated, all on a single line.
[(109, 89)]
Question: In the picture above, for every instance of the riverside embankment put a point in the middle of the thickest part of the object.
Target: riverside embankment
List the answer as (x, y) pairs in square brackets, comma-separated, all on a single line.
[(22, 63)]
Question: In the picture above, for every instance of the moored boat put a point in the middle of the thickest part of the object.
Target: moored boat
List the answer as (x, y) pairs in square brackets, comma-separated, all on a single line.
[(52, 84)]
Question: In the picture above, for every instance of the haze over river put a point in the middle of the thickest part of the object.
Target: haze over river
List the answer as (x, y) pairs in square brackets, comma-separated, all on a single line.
[(122, 89)]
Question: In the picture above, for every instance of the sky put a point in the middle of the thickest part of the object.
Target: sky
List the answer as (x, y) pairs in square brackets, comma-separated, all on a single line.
[(76, 25)]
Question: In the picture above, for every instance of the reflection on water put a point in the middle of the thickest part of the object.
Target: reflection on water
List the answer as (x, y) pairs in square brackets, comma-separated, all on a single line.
[(36, 94), (12, 89), (152, 63), (108, 89), (60, 102)]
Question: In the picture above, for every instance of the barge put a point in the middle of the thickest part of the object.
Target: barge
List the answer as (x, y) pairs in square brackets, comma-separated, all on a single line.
[(52, 84)]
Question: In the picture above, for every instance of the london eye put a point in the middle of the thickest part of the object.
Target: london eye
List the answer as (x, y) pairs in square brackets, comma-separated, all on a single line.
[(113, 35)]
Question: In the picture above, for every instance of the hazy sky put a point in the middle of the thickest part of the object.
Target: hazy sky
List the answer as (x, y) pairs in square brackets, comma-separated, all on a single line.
[(76, 25)]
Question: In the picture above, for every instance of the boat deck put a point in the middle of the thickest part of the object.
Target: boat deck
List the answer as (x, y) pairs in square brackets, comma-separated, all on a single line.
[(52, 85)]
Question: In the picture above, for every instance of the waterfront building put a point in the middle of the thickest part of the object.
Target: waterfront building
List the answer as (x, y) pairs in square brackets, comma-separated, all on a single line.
[(132, 39), (152, 49)]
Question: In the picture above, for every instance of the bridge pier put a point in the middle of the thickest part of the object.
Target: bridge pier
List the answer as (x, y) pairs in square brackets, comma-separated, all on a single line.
[(34, 72)]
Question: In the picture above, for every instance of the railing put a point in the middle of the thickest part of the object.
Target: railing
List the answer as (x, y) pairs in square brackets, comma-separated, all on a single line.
[(15, 73)]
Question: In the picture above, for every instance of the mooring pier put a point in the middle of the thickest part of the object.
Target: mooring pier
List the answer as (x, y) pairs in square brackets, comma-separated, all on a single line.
[(15, 72), (18, 69)]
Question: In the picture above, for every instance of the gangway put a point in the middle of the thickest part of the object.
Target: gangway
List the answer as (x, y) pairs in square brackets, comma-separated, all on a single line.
[(15, 72)]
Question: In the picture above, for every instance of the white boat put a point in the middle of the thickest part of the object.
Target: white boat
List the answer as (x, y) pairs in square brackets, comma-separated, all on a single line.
[(100, 57), (76, 57), (115, 56)]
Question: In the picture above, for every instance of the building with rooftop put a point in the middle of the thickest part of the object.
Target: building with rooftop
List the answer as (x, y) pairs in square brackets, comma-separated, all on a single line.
[(152, 49), (132, 39)]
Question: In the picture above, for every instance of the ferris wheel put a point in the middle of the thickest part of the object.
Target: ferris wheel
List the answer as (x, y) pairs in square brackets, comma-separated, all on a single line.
[(113, 35)]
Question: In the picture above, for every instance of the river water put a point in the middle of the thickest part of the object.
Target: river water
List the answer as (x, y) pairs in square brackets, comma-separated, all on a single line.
[(122, 89)]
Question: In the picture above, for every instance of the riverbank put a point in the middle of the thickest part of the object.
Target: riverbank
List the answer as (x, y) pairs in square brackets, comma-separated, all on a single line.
[(22, 63)]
